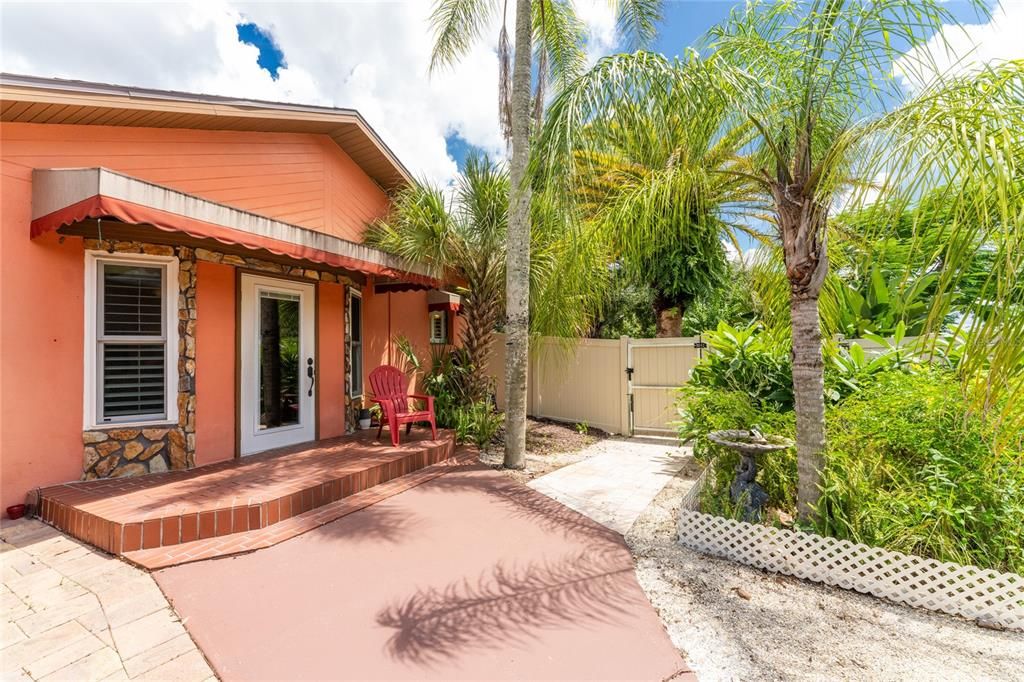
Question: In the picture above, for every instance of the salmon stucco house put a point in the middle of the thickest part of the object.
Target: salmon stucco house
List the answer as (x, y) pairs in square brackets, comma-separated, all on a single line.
[(183, 282)]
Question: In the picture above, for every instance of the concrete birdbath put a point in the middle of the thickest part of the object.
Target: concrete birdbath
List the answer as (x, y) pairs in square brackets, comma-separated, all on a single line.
[(750, 445)]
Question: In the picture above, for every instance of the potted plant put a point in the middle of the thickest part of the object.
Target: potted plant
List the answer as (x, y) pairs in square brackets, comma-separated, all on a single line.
[(364, 418)]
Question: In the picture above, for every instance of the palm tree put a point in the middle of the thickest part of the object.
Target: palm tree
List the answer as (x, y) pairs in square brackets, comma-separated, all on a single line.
[(653, 180), (550, 28), (464, 237), (467, 240), (815, 83)]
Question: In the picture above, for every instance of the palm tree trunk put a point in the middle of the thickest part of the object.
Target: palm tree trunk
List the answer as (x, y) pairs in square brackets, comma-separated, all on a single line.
[(668, 317), (809, 391), (481, 307), (517, 306)]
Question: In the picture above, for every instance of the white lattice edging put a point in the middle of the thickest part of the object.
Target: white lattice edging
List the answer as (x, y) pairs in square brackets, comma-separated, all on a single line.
[(976, 593)]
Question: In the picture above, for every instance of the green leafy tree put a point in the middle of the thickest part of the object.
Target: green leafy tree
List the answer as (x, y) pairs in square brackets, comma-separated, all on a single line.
[(465, 237)]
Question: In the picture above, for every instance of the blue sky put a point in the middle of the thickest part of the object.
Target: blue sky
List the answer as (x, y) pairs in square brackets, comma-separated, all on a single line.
[(684, 23)]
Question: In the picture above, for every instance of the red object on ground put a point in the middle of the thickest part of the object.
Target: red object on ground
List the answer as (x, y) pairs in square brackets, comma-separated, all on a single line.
[(470, 576), (390, 389), (15, 511)]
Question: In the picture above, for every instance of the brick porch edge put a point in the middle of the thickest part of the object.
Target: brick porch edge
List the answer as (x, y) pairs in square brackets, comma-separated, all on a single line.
[(58, 507), (241, 543)]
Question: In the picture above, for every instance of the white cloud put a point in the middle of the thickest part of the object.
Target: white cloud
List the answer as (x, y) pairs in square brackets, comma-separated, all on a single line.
[(370, 56), (958, 49), (600, 19)]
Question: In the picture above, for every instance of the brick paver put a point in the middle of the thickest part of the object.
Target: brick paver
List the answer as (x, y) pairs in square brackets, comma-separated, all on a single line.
[(72, 613)]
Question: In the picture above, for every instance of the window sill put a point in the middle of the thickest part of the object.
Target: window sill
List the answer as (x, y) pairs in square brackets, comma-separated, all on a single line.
[(160, 424)]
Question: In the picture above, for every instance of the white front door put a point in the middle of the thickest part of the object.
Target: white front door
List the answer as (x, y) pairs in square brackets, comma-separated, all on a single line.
[(278, 400)]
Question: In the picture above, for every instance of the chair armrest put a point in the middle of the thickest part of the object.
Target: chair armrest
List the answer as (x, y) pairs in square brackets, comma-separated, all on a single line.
[(429, 399)]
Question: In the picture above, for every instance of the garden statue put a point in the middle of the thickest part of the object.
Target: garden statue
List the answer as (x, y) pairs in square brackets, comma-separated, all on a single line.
[(745, 489)]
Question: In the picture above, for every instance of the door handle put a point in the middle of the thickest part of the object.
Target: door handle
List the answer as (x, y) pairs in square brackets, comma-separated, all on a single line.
[(311, 374)]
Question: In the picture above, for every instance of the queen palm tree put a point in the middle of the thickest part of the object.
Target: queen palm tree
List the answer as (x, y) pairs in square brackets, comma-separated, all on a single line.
[(815, 81), (653, 181), (550, 28)]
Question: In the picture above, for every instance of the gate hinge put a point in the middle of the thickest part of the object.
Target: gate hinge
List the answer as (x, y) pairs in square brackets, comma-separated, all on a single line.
[(699, 344), (629, 372)]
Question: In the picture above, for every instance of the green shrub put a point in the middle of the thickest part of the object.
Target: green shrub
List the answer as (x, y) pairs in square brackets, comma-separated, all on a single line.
[(747, 360), (848, 370), (477, 424), (910, 469)]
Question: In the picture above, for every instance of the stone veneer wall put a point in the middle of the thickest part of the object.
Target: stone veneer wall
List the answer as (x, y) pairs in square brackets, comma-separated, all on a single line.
[(127, 451)]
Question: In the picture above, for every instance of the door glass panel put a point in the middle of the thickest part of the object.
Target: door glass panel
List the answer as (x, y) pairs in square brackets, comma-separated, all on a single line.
[(279, 360)]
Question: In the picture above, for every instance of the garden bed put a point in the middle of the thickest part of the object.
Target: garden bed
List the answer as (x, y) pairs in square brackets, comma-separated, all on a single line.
[(550, 445), (732, 621)]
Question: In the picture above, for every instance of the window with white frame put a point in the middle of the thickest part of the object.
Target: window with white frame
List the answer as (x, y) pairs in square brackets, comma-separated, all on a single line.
[(439, 326), (132, 333), (355, 343)]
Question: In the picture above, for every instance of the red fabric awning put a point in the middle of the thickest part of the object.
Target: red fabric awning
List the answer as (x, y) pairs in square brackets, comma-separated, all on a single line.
[(67, 196)]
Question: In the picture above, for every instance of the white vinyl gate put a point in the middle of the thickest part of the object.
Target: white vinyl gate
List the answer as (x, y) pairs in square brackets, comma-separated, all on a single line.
[(655, 369)]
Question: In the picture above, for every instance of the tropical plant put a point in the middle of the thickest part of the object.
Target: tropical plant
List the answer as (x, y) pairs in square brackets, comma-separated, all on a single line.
[(849, 370), (749, 361), (815, 82), (731, 302), (465, 239), (448, 378), (551, 28), (649, 179)]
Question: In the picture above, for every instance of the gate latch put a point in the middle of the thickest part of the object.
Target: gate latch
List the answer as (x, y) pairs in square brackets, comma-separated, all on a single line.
[(629, 372)]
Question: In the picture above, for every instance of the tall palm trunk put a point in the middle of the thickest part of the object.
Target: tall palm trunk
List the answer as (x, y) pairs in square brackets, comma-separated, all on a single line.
[(802, 226), (517, 306)]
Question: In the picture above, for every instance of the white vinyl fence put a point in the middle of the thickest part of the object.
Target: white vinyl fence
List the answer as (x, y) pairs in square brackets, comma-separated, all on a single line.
[(620, 386)]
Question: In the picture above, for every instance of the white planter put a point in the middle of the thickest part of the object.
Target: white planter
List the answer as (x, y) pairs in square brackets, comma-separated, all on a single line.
[(364, 424)]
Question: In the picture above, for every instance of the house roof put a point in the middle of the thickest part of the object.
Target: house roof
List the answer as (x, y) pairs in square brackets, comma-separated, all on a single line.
[(32, 99)]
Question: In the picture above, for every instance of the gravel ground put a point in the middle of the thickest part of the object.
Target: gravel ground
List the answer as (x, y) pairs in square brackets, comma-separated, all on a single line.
[(793, 630), (549, 446)]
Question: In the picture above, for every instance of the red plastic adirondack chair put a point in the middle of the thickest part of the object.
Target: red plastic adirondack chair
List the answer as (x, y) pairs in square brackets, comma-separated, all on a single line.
[(390, 390)]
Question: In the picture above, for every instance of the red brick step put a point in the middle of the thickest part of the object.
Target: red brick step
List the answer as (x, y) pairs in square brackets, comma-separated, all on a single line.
[(236, 496)]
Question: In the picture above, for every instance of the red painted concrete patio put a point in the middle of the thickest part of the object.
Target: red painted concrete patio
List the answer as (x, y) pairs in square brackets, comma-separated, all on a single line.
[(167, 518), (467, 576)]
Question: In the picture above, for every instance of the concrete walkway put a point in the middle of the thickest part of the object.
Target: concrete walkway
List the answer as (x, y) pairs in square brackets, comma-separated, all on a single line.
[(73, 613), (616, 482), (470, 576)]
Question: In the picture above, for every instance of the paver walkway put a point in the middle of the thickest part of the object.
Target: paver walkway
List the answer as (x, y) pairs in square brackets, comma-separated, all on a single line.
[(615, 484), (467, 576), (73, 613)]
